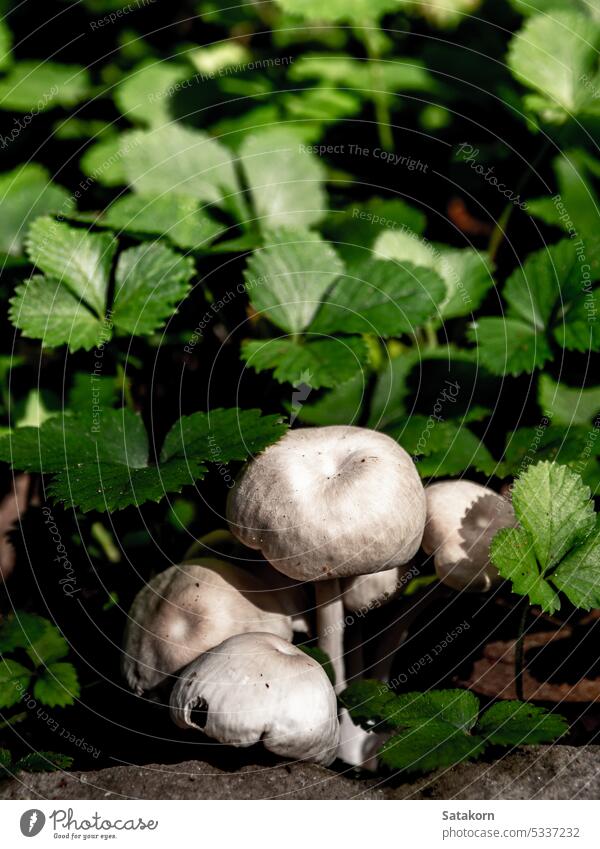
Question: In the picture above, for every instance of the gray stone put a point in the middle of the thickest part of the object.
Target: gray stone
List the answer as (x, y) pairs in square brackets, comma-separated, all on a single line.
[(543, 772)]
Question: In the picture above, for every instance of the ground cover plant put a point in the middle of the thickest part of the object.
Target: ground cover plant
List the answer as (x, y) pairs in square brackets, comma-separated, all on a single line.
[(301, 322)]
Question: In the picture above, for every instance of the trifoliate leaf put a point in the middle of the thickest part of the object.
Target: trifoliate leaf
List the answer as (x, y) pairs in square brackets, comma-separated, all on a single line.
[(512, 553), (284, 178), (509, 346), (287, 279), (20, 630), (466, 273), (104, 464), (44, 762), (25, 194), (38, 86), (322, 362), (57, 685), (77, 259), (554, 507), (519, 724), (554, 54), (568, 405), (143, 96), (381, 297), (150, 282), (173, 158), (578, 575), (14, 679), (70, 305), (180, 219)]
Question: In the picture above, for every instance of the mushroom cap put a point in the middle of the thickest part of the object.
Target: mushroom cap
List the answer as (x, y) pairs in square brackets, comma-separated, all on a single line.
[(462, 519), (367, 591), (330, 502), (259, 688), (189, 609)]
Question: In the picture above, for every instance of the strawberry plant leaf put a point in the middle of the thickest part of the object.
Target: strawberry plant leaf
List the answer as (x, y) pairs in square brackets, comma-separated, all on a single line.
[(14, 678), (287, 279), (568, 405), (509, 346), (57, 685), (20, 630), (429, 745), (381, 297), (143, 96), (38, 85), (578, 574), (318, 363), (512, 553), (27, 193), (518, 724), (285, 180)]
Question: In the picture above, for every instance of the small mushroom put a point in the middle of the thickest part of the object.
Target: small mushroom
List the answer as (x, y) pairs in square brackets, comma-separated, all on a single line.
[(462, 519), (327, 503), (190, 608), (365, 592), (256, 688)]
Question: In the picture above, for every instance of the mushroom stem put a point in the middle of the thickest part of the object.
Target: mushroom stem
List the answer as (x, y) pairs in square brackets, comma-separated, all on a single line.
[(330, 633), (330, 627)]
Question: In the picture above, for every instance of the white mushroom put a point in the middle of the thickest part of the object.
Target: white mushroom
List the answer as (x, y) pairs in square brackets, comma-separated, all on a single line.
[(365, 592), (462, 519), (329, 503), (256, 688), (188, 609)]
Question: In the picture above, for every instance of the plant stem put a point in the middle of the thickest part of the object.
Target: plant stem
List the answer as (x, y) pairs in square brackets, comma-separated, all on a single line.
[(520, 648), (378, 95), (430, 335)]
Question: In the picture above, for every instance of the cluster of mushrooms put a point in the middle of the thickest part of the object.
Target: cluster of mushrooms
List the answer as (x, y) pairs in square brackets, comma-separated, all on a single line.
[(338, 514)]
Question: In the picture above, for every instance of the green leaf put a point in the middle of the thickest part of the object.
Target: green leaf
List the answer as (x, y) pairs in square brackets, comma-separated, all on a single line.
[(103, 162), (354, 11), (180, 219), (552, 54), (442, 448), (429, 745), (519, 724), (554, 506), (26, 193), (14, 678), (36, 86), (143, 96), (575, 447), (150, 283), (104, 465), (321, 657), (466, 273), (578, 327), (381, 297), (509, 346), (79, 260), (48, 647), (512, 553), (6, 41), (578, 575), (568, 405), (287, 279), (341, 405), (322, 362), (285, 180), (44, 762), (57, 685), (5, 759), (173, 158), (89, 388), (43, 308), (20, 630)]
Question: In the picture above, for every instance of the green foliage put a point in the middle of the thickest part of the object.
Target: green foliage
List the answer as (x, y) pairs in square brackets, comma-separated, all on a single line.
[(557, 546), (26, 193), (50, 679), (71, 305), (34, 762), (441, 728), (37, 86), (106, 465)]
